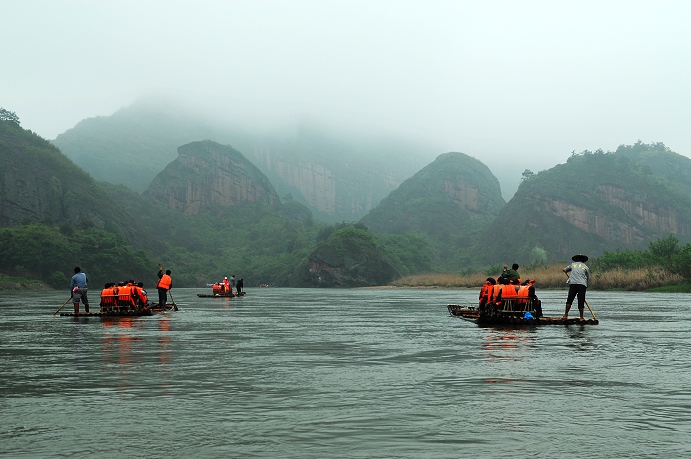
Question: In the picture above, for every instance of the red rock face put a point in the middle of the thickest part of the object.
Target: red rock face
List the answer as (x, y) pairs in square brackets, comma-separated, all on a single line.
[(464, 194), (638, 215), (210, 176)]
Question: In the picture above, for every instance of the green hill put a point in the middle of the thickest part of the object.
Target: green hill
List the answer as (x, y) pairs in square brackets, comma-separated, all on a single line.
[(597, 201), (350, 257), (38, 184), (449, 202), (439, 199), (54, 216)]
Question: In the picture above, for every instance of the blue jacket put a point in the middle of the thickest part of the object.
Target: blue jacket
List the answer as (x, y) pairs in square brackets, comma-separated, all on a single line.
[(78, 280)]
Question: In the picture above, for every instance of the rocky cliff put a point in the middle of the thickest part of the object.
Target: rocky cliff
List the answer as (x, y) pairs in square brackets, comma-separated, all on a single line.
[(595, 202), (209, 177), (331, 181)]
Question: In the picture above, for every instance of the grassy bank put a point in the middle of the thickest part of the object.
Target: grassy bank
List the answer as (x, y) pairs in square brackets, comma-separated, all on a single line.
[(20, 283), (553, 277)]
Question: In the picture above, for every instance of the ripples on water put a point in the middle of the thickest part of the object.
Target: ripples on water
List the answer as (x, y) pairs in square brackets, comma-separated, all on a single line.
[(345, 373)]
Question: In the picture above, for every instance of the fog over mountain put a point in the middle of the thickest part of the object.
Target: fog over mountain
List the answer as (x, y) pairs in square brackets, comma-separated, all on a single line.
[(517, 85)]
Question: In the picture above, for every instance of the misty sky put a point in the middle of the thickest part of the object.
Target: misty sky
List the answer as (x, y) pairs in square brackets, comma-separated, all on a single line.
[(525, 82)]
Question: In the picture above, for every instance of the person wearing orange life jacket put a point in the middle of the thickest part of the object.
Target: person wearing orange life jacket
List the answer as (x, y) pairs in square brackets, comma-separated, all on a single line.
[(108, 297), (139, 294), (526, 294), (142, 294), (165, 282), (134, 293), (125, 300), (486, 291)]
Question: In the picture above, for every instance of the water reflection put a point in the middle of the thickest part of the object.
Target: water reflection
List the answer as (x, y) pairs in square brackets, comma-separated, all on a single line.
[(507, 343), (117, 345), (164, 340)]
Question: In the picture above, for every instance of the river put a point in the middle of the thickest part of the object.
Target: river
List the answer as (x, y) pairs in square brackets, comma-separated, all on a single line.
[(345, 373)]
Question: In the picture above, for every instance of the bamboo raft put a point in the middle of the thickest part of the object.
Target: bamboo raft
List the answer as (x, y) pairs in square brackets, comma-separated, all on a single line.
[(138, 312), (220, 295), (511, 318)]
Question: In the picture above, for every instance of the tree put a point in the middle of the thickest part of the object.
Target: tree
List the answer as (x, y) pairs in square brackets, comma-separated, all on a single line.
[(664, 250), (6, 115), (527, 174)]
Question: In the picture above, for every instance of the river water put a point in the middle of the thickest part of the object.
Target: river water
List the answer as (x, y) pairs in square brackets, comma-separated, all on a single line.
[(345, 373)]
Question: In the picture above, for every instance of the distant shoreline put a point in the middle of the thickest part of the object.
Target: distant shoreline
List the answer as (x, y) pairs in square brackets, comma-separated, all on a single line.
[(552, 277), (9, 283)]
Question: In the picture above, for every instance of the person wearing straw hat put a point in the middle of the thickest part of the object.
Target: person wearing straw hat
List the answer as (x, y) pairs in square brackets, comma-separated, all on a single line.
[(578, 273)]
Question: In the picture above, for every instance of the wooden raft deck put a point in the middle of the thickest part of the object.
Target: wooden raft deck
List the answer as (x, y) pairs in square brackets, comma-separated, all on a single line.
[(220, 295), (122, 313), (469, 313)]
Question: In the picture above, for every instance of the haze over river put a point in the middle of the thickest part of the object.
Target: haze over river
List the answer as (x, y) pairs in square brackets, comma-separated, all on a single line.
[(344, 373)]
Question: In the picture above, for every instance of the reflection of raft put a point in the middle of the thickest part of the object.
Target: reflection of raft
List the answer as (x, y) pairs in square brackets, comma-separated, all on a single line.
[(510, 318), (138, 312)]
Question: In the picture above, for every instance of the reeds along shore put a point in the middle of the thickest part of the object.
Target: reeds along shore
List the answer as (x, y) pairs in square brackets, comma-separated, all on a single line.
[(553, 277)]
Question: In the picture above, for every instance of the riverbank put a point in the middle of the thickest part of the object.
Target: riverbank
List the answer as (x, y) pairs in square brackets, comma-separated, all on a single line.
[(552, 277), (20, 283)]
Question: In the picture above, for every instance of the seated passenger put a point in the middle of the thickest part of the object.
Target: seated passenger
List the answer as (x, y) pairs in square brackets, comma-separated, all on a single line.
[(512, 273)]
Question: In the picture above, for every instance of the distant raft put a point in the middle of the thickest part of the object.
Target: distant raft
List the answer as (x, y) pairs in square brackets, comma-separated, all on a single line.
[(220, 290), (220, 295)]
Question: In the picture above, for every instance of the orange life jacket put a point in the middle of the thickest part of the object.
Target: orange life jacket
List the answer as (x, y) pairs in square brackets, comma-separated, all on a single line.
[(508, 292), (107, 297), (484, 291), (141, 294), (125, 296), (165, 282), (495, 293)]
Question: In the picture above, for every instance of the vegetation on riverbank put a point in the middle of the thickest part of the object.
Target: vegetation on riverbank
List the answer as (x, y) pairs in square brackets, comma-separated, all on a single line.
[(553, 277), (21, 283), (664, 266)]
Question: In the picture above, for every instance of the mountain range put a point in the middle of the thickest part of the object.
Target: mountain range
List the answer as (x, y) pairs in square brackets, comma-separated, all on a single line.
[(337, 177), (447, 215)]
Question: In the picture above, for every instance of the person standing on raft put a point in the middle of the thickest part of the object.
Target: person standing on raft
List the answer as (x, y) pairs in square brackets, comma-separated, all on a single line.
[(578, 283), (165, 282), (79, 289)]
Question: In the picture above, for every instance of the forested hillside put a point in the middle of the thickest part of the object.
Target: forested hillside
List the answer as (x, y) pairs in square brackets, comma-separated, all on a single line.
[(243, 229), (597, 201), (39, 184), (54, 216), (211, 212), (449, 202)]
